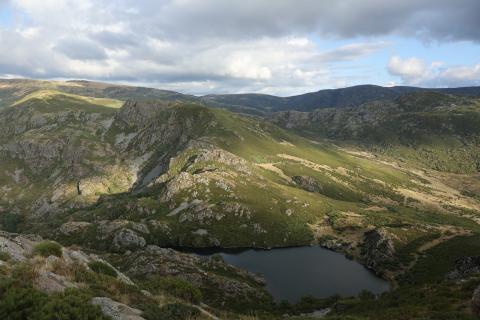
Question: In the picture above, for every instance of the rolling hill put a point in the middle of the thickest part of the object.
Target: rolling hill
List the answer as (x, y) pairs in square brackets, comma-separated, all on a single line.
[(120, 171)]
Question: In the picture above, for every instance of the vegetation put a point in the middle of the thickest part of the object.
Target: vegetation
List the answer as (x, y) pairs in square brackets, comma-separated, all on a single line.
[(174, 311), (445, 300), (177, 173), (10, 221), (19, 301), (4, 256), (176, 287), (103, 268), (48, 248)]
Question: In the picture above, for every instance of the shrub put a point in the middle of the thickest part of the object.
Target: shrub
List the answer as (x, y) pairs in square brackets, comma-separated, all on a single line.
[(4, 256), (174, 311), (19, 301), (103, 268), (366, 295), (175, 286), (10, 221), (24, 273), (48, 248), (71, 304)]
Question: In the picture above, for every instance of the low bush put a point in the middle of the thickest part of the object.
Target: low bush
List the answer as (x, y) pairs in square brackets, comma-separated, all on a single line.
[(10, 221), (4, 256), (20, 301), (48, 248), (69, 305), (102, 268), (175, 286), (174, 311)]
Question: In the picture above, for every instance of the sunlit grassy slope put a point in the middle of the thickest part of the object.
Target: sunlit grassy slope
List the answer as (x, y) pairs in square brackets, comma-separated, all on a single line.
[(56, 99), (258, 199)]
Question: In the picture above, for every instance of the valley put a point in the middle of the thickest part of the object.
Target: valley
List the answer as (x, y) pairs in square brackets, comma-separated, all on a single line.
[(127, 174)]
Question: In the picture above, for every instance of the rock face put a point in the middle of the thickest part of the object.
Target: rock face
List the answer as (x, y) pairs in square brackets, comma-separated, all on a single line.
[(51, 282), (19, 248), (16, 246), (226, 283), (476, 302), (127, 239), (378, 248), (69, 228), (307, 183), (117, 310), (464, 267)]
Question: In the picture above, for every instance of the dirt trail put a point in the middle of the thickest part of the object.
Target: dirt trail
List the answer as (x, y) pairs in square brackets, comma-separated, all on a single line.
[(271, 167), (205, 312), (439, 191), (448, 233)]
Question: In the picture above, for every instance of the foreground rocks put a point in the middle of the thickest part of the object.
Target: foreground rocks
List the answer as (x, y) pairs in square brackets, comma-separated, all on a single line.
[(117, 310), (225, 283)]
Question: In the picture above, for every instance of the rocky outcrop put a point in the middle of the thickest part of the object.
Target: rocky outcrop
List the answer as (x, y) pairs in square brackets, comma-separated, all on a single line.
[(181, 182), (50, 282), (225, 282), (378, 249), (127, 239), (307, 183), (20, 248), (72, 227), (117, 310), (17, 247), (476, 302), (140, 113), (465, 267)]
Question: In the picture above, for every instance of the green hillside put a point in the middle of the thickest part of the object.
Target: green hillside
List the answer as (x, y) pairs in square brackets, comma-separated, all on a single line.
[(115, 178)]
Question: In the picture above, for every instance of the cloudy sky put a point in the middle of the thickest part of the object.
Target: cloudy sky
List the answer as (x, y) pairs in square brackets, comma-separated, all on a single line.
[(281, 47)]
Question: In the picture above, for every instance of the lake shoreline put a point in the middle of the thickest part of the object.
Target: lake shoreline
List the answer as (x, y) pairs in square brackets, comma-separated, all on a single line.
[(295, 271)]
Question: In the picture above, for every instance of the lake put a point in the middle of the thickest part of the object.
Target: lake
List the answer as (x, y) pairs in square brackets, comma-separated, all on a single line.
[(291, 273)]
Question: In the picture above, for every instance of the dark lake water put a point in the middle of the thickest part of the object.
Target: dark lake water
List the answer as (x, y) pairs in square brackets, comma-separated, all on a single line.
[(295, 272)]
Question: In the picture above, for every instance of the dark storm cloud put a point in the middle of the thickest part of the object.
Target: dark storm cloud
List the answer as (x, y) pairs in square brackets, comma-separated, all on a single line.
[(433, 19)]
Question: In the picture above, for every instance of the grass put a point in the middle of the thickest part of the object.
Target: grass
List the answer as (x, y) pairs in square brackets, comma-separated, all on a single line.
[(439, 301), (4, 256), (53, 97), (47, 248), (174, 286), (102, 268), (436, 262)]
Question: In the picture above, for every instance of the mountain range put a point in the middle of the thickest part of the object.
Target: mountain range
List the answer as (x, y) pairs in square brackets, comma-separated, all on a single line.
[(387, 176)]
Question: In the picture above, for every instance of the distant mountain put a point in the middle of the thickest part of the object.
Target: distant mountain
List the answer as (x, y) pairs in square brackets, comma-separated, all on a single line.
[(330, 98), (14, 89), (249, 103), (436, 130)]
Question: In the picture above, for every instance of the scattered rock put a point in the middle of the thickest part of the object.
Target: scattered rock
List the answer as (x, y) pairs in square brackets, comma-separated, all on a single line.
[(307, 183), (127, 239), (117, 310), (464, 267), (71, 227), (16, 246), (51, 282)]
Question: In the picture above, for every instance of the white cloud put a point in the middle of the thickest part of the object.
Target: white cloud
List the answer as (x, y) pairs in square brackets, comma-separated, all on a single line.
[(415, 71), (411, 70), (463, 73), (217, 45)]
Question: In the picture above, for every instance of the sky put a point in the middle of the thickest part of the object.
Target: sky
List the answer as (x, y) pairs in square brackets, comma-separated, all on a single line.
[(281, 47)]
